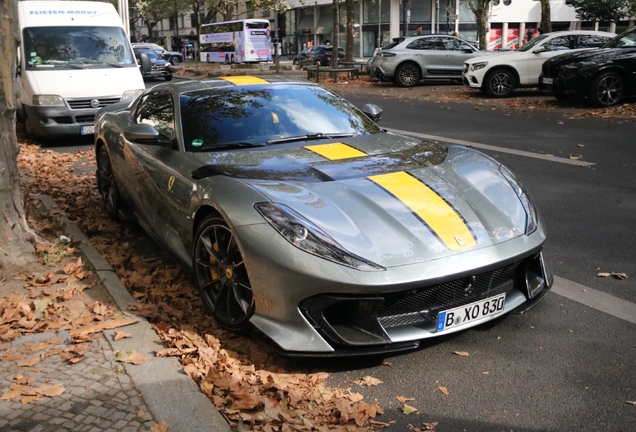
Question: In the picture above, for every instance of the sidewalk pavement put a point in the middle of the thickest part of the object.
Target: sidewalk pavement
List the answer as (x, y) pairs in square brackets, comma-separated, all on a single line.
[(102, 394)]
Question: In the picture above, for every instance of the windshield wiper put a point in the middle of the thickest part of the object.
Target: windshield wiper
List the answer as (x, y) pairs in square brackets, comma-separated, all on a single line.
[(310, 137), (235, 145)]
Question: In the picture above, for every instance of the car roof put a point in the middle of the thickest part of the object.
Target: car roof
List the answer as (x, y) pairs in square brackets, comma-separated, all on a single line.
[(185, 86)]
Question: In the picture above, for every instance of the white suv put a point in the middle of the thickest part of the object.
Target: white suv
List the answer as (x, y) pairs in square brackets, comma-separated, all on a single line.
[(499, 74)]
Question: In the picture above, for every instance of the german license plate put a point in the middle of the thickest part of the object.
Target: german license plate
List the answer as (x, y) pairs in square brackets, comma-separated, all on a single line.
[(547, 80), (471, 312), (85, 130)]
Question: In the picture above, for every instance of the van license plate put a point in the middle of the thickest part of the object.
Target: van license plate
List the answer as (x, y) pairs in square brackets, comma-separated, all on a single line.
[(86, 130), (471, 312)]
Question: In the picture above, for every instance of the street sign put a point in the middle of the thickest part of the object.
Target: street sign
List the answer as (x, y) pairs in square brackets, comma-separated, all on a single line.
[(449, 9), (452, 17)]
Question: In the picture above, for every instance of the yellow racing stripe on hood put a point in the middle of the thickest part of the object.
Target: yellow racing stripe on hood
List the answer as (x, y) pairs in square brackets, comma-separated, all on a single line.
[(441, 218), (245, 80), (335, 151)]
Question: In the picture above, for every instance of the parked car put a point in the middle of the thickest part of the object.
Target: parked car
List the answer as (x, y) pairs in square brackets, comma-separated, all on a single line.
[(159, 68), (604, 77), (318, 55), (174, 57), (408, 60), (301, 55), (499, 74), (299, 216)]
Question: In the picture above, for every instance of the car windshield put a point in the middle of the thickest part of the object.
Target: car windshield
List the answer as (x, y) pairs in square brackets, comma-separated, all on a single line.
[(151, 53), (270, 113), (624, 40), (533, 43), (76, 47)]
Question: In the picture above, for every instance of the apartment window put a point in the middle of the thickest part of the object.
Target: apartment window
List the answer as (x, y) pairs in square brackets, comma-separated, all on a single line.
[(265, 13)]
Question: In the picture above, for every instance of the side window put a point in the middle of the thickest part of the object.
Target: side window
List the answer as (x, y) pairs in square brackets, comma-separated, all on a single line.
[(591, 41), (157, 110), (426, 43), (559, 44), (452, 44)]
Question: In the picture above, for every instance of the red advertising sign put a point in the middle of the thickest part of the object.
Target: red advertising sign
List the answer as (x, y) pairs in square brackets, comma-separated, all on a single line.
[(512, 39), (495, 39)]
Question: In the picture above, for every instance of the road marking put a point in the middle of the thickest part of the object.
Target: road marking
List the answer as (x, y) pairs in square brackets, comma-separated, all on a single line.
[(495, 148), (595, 299)]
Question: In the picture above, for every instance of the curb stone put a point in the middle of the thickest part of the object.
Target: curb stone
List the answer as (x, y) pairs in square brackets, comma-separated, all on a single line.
[(170, 394)]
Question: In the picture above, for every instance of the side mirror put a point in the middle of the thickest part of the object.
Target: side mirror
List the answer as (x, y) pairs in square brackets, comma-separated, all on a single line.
[(372, 111), (146, 65), (145, 134), (539, 50)]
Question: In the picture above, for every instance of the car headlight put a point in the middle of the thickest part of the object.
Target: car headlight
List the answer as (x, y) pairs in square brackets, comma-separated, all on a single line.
[(48, 100), (524, 197), (477, 66), (131, 94), (308, 237)]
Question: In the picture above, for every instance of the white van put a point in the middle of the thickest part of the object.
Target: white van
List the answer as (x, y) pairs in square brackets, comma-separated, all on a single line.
[(74, 58)]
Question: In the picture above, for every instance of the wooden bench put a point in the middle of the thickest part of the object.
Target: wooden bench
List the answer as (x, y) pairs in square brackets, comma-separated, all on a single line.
[(360, 65), (314, 72)]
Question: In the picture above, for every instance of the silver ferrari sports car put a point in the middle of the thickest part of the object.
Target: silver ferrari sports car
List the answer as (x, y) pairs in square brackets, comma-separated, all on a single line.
[(302, 220)]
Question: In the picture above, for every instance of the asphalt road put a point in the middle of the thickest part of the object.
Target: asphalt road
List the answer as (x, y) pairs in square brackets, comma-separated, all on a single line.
[(564, 365)]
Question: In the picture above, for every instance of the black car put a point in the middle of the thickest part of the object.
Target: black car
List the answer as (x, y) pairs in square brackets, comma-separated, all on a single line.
[(602, 76), (318, 55), (160, 68), (173, 57)]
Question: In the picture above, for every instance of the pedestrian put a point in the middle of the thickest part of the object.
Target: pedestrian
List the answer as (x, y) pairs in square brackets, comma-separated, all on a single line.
[(529, 34), (418, 31)]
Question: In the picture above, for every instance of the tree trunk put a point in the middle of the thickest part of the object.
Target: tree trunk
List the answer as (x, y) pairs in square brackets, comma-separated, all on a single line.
[(334, 42), (350, 20), (15, 234), (481, 12), (546, 20)]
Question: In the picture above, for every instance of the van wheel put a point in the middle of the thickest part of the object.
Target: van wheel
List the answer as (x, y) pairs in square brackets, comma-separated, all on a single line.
[(607, 89)]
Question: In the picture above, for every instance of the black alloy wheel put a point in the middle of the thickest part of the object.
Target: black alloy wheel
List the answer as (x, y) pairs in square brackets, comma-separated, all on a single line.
[(221, 275), (106, 185), (499, 83), (407, 75), (607, 89), (175, 60)]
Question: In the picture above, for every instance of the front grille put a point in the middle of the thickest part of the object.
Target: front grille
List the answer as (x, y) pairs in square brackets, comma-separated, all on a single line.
[(85, 119), (158, 67), (86, 103), (422, 305)]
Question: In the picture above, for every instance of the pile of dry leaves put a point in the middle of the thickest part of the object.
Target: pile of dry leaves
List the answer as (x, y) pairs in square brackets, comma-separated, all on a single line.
[(254, 389)]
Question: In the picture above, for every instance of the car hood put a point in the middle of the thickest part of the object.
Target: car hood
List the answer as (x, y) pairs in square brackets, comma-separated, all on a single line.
[(597, 56), (499, 57), (398, 201)]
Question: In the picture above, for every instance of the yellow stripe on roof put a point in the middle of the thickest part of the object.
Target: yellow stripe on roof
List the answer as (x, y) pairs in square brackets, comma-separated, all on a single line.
[(335, 151), (245, 80), (447, 225)]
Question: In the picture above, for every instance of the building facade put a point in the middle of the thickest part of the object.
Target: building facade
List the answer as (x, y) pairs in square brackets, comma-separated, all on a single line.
[(377, 22)]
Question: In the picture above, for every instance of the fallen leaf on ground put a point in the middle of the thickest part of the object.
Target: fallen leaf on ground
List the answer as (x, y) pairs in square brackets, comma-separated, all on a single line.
[(404, 399), (161, 427), (631, 402), (408, 410), (132, 357), (121, 335), (430, 426), (104, 325), (613, 274), (462, 353), (443, 390), (368, 381)]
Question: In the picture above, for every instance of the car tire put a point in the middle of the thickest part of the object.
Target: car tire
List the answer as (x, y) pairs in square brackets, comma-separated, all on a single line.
[(499, 83), (221, 276), (168, 77), (106, 185), (607, 89), (407, 75), (318, 63), (175, 60)]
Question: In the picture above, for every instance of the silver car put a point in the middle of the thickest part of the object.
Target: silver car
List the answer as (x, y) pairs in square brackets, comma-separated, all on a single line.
[(408, 60)]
